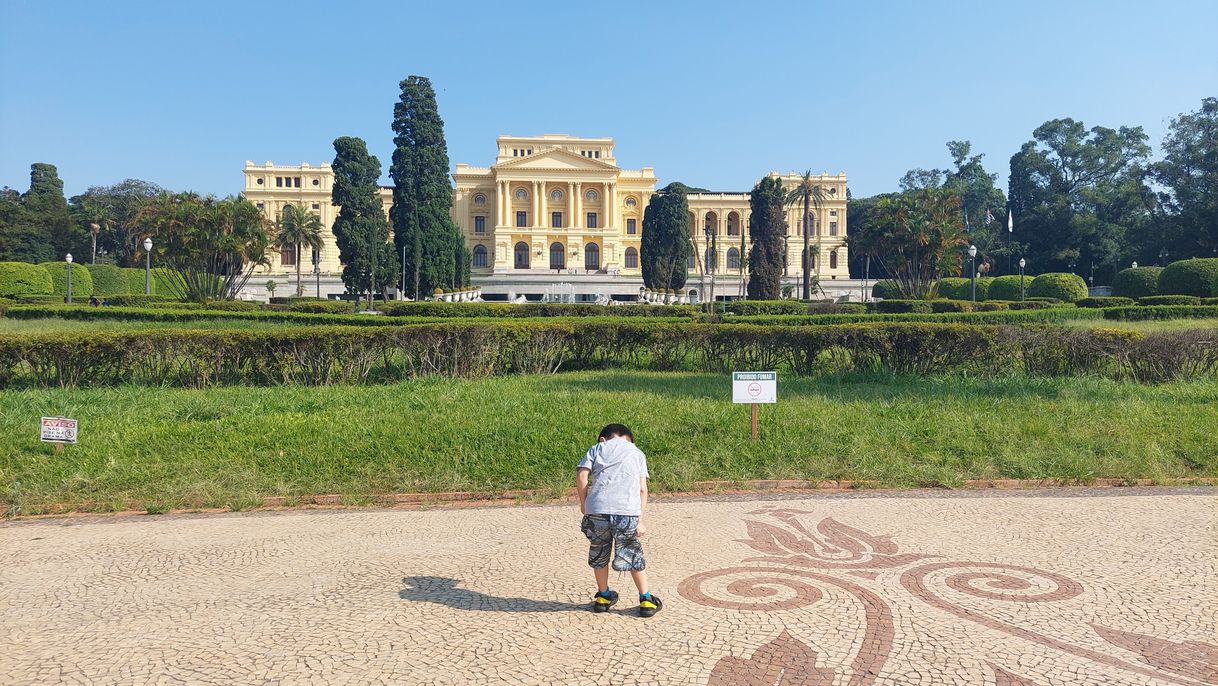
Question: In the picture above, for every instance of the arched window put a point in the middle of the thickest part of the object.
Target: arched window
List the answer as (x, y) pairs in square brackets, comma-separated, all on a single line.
[(556, 194), (522, 255), (479, 255), (522, 194), (690, 263), (631, 202), (632, 258), (480, 199), (733, 224), (833, 260), (591, 195), (592, 257), (558, 256), (733, 259)]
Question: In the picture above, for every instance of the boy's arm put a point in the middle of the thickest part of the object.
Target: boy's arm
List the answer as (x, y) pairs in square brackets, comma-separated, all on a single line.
[(642, 504), (581, 486)]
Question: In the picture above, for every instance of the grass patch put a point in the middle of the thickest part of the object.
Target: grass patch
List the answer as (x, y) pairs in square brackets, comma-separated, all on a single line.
[(229, 447)]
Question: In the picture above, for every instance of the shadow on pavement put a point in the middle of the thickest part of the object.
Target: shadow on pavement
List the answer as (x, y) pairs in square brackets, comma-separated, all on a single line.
[(444, 591)]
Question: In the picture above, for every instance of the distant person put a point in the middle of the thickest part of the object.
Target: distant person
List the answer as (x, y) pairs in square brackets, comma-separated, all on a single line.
[(105, 302), (612, 484), (93, 301)]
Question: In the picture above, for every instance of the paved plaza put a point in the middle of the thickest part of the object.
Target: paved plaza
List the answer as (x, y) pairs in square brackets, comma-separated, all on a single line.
[(1108, 586)]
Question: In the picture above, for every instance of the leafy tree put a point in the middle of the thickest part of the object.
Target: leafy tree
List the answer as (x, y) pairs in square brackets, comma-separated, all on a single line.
[(213, 245), (1078, 194), (984, 207), (360, 229), (767, 229), (48, 209), (916, 236), (664, 247), (1188, 173), (298, 228), (921, 179), (111, 210), (436, 255), (809, 194), (21, 238)]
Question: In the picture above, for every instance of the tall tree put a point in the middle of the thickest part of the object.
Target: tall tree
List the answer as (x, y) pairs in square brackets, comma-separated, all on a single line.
[(1188, 174), (807, 192), (664, 247), (48, 210), (1077, 194), (360, 229), (424, 230), (297, 229), (984, 206), (21, 238), (767, 229), (111, 210)]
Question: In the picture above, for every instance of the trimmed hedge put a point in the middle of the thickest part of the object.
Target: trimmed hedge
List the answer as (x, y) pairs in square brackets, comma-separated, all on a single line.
[(323, 306), (1209, 301), (1170, 300), (108, 280), (22, 278), (1006, 287), (137, 300), (756, 307), (428, 308), (1197, 277), (1136, 283), (1065, 287), (82, 281), (898, 306), (887, 289), (1105, 301), (1153, 312), (468, 349), (162, 281), (954, 288), (1038, 316)]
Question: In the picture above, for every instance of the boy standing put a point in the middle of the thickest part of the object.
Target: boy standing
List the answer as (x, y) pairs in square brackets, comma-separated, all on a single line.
[(612, 484)]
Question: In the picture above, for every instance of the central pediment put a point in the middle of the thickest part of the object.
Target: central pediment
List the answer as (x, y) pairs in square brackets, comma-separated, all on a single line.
[(557, 158)]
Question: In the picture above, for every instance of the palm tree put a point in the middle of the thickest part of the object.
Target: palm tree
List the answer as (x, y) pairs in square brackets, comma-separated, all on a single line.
[(298, 229), (811, 195)]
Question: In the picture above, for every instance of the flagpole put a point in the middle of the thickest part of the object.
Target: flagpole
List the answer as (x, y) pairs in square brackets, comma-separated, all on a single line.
[(1010, 230)]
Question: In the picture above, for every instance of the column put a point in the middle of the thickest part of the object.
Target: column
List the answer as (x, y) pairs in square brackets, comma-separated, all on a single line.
[(538, 190), (579, 205), (570, 204), (505, 203)]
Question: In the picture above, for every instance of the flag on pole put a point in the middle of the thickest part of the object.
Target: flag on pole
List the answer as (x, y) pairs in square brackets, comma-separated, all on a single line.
[(989, 217), (1010, 222)]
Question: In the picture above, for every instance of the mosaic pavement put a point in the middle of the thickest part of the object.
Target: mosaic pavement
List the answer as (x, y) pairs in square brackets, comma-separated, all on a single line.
[(1007, 590)]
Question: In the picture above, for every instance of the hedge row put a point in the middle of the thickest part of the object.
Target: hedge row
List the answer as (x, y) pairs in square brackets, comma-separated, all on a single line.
[(1105, 301), (1170, 300), (755, 307), (1154, 312), (1060, 286), (1038, 316), (530, 310), (330, 355)]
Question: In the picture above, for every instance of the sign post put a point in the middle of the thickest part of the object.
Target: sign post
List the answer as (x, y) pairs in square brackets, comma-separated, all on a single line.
[(754, 388), (58, 430)]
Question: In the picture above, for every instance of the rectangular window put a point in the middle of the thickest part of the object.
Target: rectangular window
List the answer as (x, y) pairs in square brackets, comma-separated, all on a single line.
[(287, 256), (832, 228), (598, 154), (522, 219), (556, 220), (278, 182), (591, 220), (296, 182), (832, 213), (317, 206), (261, 205), (479, 224), (631, 227)]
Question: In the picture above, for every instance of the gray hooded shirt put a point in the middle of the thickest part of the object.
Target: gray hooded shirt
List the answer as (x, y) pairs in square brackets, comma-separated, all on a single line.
[(617, 465)]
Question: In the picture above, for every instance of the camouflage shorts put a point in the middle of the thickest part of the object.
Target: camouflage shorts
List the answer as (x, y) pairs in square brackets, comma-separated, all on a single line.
[(616, 533)]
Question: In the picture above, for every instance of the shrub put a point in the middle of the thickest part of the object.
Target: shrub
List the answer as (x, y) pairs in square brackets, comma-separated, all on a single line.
[(991, 306), (1064, 287), (896, 306), (1197, 277), (1153, 312), (1007, 287), (951, 306), (4, 303), (109, 280), (427, 308), (1209, 301), (755, 307), (1031, 305), (1170, 300), (164, 281), (1136, 283), (18, 278), (1102, 301), (325, 306), (886, 288), (954, 288), (39, 299), (82, 281)]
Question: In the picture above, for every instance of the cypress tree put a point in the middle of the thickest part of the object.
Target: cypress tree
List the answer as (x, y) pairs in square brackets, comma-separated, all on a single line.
[(48, 210), (664, 247), (436, 255), (360, 227), (767, 225)]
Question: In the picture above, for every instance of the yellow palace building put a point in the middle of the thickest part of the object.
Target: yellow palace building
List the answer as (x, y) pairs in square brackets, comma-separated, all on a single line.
[(555, 205)]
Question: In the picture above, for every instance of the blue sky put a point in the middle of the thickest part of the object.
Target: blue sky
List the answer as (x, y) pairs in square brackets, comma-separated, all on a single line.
[(711, 94)]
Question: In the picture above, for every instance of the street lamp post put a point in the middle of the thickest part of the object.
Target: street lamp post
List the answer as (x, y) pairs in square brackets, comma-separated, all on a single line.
[(68, 259), (1022, 262), (317, 272), (403, 271), (972, 270), (148, 265)]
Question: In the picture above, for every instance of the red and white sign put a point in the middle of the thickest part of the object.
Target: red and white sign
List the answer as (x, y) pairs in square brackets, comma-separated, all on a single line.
[(58, 430), (754, 387)]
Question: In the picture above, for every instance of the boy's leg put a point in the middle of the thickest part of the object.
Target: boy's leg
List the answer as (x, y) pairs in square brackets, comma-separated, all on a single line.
[(640, 580), (600, 542), (602, 577)]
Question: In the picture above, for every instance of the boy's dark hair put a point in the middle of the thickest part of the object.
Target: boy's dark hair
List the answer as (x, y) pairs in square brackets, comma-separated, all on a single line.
[(616, 431)]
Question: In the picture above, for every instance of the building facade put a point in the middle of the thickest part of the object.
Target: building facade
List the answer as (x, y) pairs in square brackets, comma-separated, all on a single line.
[(559, 205)]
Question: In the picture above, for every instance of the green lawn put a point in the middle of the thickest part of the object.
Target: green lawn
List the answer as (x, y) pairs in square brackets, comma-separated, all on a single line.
[(232, 446)]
